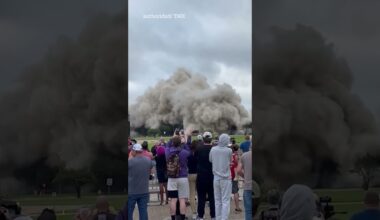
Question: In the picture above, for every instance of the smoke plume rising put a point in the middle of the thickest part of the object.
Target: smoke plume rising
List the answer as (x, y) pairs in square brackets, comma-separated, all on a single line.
[(308, 125), (188, 99), (71, 104)]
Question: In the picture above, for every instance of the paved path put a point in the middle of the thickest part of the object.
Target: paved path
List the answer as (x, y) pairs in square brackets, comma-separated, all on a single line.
[(157, 212)]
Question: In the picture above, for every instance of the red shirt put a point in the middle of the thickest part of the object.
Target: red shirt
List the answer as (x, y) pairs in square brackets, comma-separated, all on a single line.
[(234, 164), (145, 153), (148, 154)]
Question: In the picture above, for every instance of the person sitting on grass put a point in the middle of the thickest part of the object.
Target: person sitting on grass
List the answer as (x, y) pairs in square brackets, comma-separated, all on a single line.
[(273, 210), (84, 214), (371, 212), (123, 213), (299, 203), (103, 209), (47, 214)]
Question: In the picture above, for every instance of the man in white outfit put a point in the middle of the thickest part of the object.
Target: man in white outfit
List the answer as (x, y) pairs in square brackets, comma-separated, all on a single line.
[(220, 157)]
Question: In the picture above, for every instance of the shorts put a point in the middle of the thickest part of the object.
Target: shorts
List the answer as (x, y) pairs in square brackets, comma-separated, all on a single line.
[(178, 188), (235, 186), (161, 176)]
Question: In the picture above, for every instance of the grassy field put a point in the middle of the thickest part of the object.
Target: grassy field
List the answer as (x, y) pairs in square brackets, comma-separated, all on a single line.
[(344, 200), (65, 205), (151, 140)]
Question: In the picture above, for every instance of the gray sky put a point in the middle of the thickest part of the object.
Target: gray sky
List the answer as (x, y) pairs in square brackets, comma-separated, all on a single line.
[(29, 27), (214, 39), (352, 26)]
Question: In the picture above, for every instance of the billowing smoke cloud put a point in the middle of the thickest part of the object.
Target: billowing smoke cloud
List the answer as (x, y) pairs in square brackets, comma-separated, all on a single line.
[(188, 99), (308, 125), (72, 103)]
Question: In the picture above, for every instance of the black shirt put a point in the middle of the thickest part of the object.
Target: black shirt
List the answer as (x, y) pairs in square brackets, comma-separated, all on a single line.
[(161, 162), (204, 168), (154, 151), (192, 164)]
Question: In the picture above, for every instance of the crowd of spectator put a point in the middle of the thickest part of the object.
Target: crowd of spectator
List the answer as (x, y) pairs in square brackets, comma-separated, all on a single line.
[(193, 170)]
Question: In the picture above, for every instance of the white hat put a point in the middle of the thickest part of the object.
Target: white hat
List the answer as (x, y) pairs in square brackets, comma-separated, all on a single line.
[(137, 147), (207, 133)]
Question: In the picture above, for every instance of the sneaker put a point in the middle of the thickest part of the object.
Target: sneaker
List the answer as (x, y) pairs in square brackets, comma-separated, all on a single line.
[(194, 216), (200, 218)]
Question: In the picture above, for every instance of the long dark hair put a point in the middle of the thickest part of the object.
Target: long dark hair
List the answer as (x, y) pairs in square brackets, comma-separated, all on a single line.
[(47, 214), (194, 146), (176, 141)]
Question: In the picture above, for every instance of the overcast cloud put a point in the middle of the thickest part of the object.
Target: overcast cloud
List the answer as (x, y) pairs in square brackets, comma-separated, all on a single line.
[(214, 39), (352, 26), (28, 28)]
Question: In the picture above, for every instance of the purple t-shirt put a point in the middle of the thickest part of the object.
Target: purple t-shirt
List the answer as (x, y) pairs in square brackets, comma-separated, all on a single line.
[(183, 155), (160, 150)]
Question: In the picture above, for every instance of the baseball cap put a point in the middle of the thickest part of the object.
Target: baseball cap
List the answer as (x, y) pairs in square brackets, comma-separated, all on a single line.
[(207, 133), (199, 137), (137, 147)]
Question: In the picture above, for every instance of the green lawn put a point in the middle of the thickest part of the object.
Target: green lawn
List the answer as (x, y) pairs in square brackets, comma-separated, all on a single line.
[(344, 200), (152, 140), (117, 200), (58, 203)]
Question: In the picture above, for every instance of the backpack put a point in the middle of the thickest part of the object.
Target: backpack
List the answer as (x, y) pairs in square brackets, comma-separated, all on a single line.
[(173, 165)]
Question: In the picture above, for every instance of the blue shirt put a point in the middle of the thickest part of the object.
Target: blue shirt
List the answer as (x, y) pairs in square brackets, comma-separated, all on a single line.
[(368, 214), (245, 146)]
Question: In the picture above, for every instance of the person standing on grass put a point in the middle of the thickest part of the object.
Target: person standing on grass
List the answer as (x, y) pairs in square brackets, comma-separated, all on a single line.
[(146, 152), (103, 210), (234, 177), (177, 153), (154, 149), (192, 165), (246, 145), (371, 212), (139, 168), (205, 178), (161, 172), (220, 157), (245, 170)]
